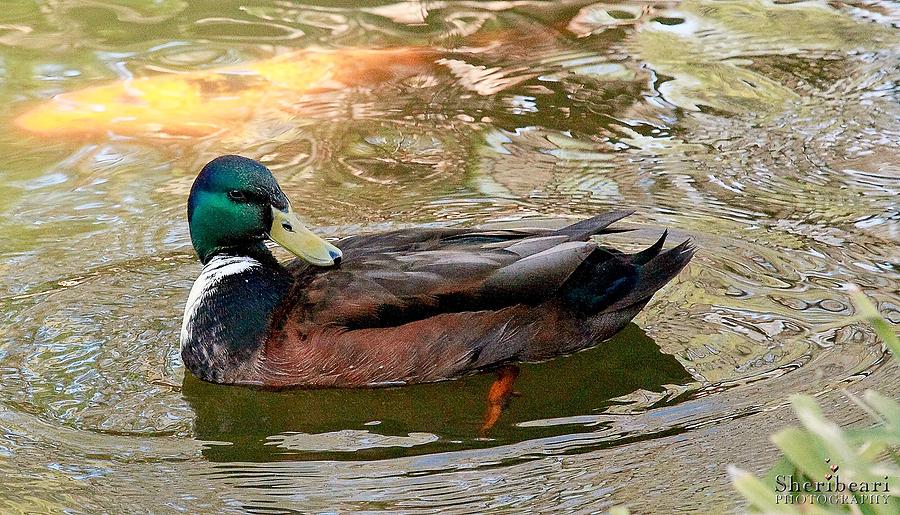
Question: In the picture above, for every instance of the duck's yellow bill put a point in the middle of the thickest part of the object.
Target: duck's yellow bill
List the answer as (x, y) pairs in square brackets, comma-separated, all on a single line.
[(290, 233)]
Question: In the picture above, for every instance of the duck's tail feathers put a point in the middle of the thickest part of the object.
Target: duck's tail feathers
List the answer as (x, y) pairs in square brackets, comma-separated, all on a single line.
[(643, 257), (599, 224), (655, 272)]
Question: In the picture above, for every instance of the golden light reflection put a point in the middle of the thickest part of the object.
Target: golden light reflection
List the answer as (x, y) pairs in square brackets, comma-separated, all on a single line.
[(207, 102)]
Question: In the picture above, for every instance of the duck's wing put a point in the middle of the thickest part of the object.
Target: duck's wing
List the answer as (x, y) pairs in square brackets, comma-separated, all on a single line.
[(418, 239), (418, 308), (394, 278)]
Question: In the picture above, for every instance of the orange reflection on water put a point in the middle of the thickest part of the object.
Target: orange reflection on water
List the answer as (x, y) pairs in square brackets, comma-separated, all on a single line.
[(203, 103)]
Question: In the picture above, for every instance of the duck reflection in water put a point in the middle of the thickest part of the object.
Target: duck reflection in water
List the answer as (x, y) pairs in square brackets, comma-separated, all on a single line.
[(246, 424)]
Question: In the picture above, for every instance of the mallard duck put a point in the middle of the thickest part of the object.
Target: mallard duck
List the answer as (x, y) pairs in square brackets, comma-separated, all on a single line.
[(400, 307)]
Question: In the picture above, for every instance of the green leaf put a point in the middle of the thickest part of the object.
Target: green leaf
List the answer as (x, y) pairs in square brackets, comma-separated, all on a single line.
[(887, 408), (760, 496), (800, 447), (882, 327), (783, 467)]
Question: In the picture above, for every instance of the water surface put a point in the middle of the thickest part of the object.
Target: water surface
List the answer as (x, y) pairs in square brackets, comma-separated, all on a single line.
[(766, 131)]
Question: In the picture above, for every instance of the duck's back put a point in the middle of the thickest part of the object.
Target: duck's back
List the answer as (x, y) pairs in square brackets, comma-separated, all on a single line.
[(425, 305)]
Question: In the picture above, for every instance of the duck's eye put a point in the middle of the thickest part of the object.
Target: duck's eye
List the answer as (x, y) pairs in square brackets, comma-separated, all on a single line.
[(237, 196)]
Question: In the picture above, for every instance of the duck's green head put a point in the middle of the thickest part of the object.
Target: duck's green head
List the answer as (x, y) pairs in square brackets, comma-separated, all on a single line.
[(236, 204)]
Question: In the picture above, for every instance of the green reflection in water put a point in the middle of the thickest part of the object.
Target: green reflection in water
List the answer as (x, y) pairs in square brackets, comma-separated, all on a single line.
[(255, 425), (709, 56)]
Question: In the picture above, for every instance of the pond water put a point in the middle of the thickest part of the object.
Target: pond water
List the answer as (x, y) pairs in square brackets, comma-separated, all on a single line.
[(766, 131)]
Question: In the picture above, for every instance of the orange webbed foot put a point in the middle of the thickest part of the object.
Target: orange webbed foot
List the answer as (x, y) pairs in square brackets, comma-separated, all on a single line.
[(499, 396)]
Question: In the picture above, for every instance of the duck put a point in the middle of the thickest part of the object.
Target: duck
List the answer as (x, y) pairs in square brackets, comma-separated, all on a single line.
[(401, 307)]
